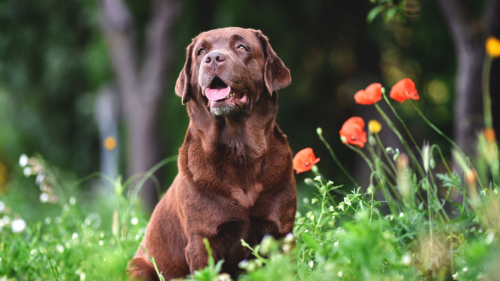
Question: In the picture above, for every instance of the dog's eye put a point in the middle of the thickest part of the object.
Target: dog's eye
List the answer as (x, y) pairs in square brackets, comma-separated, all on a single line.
[(241, 47), (201, 51)]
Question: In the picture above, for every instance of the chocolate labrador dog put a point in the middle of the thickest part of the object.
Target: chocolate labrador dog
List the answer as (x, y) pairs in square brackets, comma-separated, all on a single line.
[(235, 177)]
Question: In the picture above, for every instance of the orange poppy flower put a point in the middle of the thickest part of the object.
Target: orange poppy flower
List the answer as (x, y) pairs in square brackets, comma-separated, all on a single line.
[(352, 132), (370, 95), (304, 160), (403, 90)]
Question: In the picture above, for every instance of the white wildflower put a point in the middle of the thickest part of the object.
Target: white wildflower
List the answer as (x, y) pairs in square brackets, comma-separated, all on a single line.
[(490, 237), (82, 276), (311, 264), (455, 276), (72, 201), (27, 171), (265, 244), (401, 214), (406, 260), (336, 244), (23, 160), (347, 201), (243, 264), (101, 242), (331, 209), (465, 269), (309, 181), (134, 221), (370, 190), (18, 225), (224, 277), (339, 274), (33, 252), (286, 248), (39, 178), (6, 220), (60, 248), (44, 197), (289, 238), (341, 206), (74, 236)]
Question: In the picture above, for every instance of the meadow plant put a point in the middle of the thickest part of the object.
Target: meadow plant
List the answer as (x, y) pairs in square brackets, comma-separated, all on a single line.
[(433, 223), (419, 218)]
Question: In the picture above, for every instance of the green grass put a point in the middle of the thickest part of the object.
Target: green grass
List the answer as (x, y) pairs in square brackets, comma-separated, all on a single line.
[(341, 236), (429, 224)]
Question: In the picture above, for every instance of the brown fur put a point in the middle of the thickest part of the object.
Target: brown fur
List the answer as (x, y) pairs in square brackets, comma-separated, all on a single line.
[(235, 176)]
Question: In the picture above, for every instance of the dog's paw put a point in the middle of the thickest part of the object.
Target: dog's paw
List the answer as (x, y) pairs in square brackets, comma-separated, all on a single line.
[(139, 269)]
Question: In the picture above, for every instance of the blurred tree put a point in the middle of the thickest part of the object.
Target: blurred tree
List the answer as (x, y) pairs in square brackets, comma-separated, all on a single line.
[(141, 80), (54, 59), (48, 53), (470, 24)]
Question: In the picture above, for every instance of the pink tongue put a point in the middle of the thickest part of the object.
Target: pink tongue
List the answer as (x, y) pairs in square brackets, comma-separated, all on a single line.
[(217, 94)]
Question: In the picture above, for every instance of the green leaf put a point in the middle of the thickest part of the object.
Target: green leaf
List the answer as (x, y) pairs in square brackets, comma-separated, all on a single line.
[(218, 266), (391, 13), (310, 241), (374, 13)]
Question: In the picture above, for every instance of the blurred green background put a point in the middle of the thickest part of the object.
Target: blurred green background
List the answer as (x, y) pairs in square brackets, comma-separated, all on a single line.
[(54, 61)]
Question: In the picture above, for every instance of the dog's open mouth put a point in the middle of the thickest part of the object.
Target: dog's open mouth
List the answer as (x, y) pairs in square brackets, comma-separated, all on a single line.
[(219, 93)]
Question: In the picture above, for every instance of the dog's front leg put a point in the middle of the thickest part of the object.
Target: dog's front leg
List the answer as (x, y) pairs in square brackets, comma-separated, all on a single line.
[(196, 254)]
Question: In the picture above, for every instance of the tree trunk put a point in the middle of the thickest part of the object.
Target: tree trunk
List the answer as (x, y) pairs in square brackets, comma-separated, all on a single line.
[(469, 46), (141, 81)]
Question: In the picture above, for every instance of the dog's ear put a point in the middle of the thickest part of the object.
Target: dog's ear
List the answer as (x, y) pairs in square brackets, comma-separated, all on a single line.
[(182, 86), (276, 74)]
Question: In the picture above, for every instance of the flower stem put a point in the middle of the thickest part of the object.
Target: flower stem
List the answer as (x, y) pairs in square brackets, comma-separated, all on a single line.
[(335, 158), (437, 130), (401, 139), (323, 191), (488, 120), (382, 147), (402, 123), (360, 152), (434, 146)]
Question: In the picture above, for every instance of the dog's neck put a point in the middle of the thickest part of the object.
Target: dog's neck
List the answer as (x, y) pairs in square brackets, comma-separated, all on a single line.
[(239, 139)]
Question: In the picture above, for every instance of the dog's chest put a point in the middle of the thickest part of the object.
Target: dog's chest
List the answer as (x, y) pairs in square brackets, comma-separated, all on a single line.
[(248, 196)]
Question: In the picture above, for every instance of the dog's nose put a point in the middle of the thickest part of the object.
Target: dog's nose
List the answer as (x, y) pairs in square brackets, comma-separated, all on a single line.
[(215, 59)]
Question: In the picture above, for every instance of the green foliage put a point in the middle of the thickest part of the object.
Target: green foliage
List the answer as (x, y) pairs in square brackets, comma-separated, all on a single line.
[(343, 236), (410, 223), (211, 271), (387, 8), (69, 239)]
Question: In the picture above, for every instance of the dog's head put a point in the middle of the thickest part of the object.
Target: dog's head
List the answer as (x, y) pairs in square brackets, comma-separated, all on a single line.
[(229, 69)]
